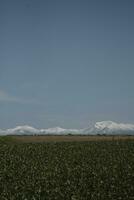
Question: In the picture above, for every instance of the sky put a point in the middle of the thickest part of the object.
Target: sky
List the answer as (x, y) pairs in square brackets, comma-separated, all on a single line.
[(66, 63)]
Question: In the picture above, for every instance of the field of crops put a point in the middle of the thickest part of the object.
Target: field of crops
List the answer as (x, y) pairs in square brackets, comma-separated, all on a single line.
[(92, 170)]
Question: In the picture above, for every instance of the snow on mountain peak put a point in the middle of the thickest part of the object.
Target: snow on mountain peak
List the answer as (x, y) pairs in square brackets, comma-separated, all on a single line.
[(105, 124), (55, 130), (22, 130), (113, 126), (110, 127), (103, 127)]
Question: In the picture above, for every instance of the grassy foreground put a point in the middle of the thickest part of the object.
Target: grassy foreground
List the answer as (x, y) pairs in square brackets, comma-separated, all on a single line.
[(95, 170)]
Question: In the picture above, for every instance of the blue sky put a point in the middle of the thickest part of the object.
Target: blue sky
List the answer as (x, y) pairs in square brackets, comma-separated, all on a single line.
[(66, 63)]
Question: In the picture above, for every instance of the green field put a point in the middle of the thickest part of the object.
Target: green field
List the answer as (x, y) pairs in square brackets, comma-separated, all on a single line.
[(87, 170)]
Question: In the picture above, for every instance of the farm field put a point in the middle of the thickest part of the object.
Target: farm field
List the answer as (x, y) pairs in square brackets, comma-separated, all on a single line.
[(68, 168), (67, 138)]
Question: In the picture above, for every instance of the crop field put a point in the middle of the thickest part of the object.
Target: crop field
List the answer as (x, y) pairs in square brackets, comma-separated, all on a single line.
[(68, 138), (62, 170)]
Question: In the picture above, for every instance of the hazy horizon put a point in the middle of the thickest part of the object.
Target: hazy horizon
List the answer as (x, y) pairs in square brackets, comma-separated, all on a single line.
[(66, 63)]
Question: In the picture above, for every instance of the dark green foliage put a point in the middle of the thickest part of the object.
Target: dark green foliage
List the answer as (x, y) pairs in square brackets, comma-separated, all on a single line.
[(6, 139), (67, 171)]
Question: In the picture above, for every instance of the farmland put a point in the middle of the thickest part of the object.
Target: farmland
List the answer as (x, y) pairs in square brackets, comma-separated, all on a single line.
[(66, 138), (65, 169)]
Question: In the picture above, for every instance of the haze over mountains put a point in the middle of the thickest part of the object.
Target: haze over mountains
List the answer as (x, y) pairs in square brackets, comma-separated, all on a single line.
[(104, 127)]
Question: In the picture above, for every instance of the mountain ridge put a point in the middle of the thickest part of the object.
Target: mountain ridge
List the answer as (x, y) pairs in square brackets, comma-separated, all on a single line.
[(103, 127)]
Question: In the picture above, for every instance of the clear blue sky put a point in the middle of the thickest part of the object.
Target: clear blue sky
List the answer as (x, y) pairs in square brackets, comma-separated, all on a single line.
[(66, 62)]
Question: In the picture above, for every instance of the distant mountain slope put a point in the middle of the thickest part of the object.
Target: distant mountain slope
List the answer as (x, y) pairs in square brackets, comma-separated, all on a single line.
[(110, 127), (28, 130), (104, 127)]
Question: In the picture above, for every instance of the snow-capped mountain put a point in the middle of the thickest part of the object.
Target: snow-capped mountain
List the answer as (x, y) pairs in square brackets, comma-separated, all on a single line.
[(20, 130), (28, 130), (59, 130), (104, 127), (110, 127)]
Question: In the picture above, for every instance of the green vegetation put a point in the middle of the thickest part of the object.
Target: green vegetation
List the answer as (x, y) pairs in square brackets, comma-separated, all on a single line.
[(6, 139), (67, 170)]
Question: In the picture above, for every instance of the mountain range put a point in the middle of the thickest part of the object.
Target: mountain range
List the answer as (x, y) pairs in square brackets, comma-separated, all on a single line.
[(99, 128)]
